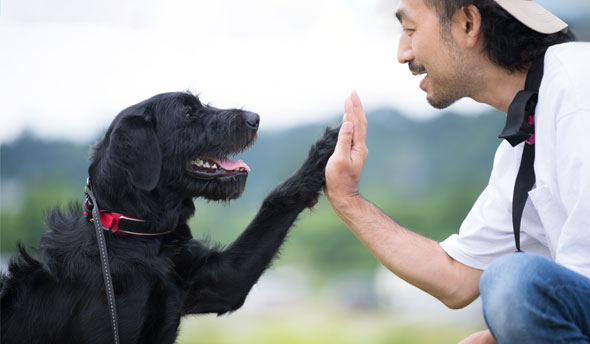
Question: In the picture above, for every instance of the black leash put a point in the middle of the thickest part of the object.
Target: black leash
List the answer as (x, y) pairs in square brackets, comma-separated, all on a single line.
[(520, 127), (104, 258)]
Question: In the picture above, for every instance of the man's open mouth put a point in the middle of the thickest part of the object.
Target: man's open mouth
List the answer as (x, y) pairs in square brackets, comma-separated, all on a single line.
[(420, 71), (209, 168)]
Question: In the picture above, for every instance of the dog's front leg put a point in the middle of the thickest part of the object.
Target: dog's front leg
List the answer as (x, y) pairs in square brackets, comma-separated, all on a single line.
[(226, 278)]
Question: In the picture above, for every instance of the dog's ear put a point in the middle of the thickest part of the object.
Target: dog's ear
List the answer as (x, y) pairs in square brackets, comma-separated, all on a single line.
[(134, 147)]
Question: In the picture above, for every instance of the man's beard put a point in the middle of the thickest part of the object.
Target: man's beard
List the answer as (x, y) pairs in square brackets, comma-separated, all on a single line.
[(447, 89), (443, 97)]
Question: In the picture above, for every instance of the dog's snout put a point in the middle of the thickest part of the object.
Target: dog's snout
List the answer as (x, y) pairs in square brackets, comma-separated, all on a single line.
[(252, 119)]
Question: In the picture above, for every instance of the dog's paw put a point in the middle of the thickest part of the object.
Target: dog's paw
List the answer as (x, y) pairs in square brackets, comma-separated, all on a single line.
[(312, 171), (322, 150), (304, 187)]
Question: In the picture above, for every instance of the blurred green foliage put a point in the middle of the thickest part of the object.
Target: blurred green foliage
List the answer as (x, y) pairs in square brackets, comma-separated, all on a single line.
[(26, 223)]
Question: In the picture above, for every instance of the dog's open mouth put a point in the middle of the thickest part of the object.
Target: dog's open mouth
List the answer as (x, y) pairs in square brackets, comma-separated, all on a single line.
[(209, 168)]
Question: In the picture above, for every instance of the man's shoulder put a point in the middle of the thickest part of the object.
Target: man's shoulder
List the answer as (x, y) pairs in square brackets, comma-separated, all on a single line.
[(567, 76), (571, 55), (568, 49)]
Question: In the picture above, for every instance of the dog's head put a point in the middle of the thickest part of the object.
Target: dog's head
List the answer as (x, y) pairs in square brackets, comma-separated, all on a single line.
[(174, 144)]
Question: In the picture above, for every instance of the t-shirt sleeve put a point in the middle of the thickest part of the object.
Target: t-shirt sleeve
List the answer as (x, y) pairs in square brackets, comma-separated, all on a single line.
[(483, 235), (487, 232)]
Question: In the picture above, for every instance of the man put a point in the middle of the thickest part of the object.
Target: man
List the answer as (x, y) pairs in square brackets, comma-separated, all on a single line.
[(483, 49)]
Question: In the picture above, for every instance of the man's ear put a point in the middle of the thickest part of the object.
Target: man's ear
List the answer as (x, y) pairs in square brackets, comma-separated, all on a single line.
[(469, 18), (134, 147)]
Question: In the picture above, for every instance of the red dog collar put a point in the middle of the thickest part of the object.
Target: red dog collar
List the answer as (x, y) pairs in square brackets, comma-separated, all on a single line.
[(115, 222)]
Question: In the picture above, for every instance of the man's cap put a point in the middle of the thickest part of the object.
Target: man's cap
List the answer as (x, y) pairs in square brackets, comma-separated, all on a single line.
[(533, 15)]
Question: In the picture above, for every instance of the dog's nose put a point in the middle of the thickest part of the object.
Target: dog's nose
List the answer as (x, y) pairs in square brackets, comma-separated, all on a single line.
[(252, 119)]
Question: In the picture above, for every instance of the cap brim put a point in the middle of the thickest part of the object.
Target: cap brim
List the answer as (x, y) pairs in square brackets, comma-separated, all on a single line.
[(533, 15)]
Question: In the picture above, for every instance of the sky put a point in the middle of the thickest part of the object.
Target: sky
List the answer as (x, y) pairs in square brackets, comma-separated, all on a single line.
[(67, 67)]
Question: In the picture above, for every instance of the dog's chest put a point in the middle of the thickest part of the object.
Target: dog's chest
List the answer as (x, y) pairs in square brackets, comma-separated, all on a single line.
[(149, 305)]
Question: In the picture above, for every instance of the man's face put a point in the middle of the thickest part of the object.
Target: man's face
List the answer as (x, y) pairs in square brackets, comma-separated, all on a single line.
[(429, 48)]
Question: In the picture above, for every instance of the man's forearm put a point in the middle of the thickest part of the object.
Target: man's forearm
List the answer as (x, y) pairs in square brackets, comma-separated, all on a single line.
[(414, 258)]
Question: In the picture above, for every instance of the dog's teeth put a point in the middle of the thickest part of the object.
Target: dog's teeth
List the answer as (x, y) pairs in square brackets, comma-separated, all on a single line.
[(206, 165), (214, 166)]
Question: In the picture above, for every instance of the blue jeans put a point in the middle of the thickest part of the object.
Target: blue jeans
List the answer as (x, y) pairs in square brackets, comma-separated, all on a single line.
[(530, 299)]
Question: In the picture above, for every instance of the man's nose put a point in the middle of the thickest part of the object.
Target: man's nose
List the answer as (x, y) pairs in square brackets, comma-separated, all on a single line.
[(404, 50)]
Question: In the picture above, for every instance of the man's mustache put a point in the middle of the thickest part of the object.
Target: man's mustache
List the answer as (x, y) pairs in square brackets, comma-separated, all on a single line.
[(414, 68)]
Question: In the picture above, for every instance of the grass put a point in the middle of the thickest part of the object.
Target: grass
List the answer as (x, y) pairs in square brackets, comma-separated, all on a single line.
[(314, 325)]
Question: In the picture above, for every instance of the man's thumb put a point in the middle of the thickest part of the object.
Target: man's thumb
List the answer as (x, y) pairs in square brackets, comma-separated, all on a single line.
[(344, 143)]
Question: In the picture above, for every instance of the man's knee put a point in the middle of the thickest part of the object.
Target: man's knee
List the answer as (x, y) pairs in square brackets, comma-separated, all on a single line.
[(510, 287)]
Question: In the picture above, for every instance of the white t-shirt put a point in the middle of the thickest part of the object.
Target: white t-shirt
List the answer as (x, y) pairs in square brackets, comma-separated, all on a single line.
[(556, 218)]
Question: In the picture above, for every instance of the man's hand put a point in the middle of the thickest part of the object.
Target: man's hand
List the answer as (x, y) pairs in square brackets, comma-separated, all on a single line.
[(482, 337), (416, 259), (345, 165)]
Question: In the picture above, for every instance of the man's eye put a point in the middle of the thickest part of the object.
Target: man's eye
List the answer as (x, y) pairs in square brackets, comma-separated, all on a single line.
[(409, 32)]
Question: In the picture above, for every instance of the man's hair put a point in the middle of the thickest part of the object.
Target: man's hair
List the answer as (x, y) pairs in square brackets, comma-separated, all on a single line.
[(509, 43)]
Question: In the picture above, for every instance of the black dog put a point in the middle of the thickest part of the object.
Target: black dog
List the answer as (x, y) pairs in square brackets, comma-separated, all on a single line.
[(154, 159)]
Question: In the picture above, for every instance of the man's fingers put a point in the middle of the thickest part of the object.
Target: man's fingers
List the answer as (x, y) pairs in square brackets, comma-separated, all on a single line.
[(348, 110), (359, 119), (352, 141), (344, 143)]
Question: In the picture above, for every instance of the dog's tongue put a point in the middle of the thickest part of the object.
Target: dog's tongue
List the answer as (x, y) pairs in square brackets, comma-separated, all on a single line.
[(230, 165)]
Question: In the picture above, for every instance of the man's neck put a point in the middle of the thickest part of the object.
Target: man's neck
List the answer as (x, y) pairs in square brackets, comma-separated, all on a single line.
[(499, 87)]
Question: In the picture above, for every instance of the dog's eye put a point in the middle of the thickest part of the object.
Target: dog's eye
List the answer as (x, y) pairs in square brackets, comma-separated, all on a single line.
[(188, 116)]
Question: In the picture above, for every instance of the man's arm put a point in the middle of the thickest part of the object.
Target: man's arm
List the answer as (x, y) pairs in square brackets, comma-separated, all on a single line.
[(416, 259)]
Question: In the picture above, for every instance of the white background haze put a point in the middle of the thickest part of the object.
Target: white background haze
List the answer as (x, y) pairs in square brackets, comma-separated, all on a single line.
[(67, 67)]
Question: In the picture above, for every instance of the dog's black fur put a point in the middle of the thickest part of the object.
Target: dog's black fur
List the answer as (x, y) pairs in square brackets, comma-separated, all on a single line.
[(142, 168)]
